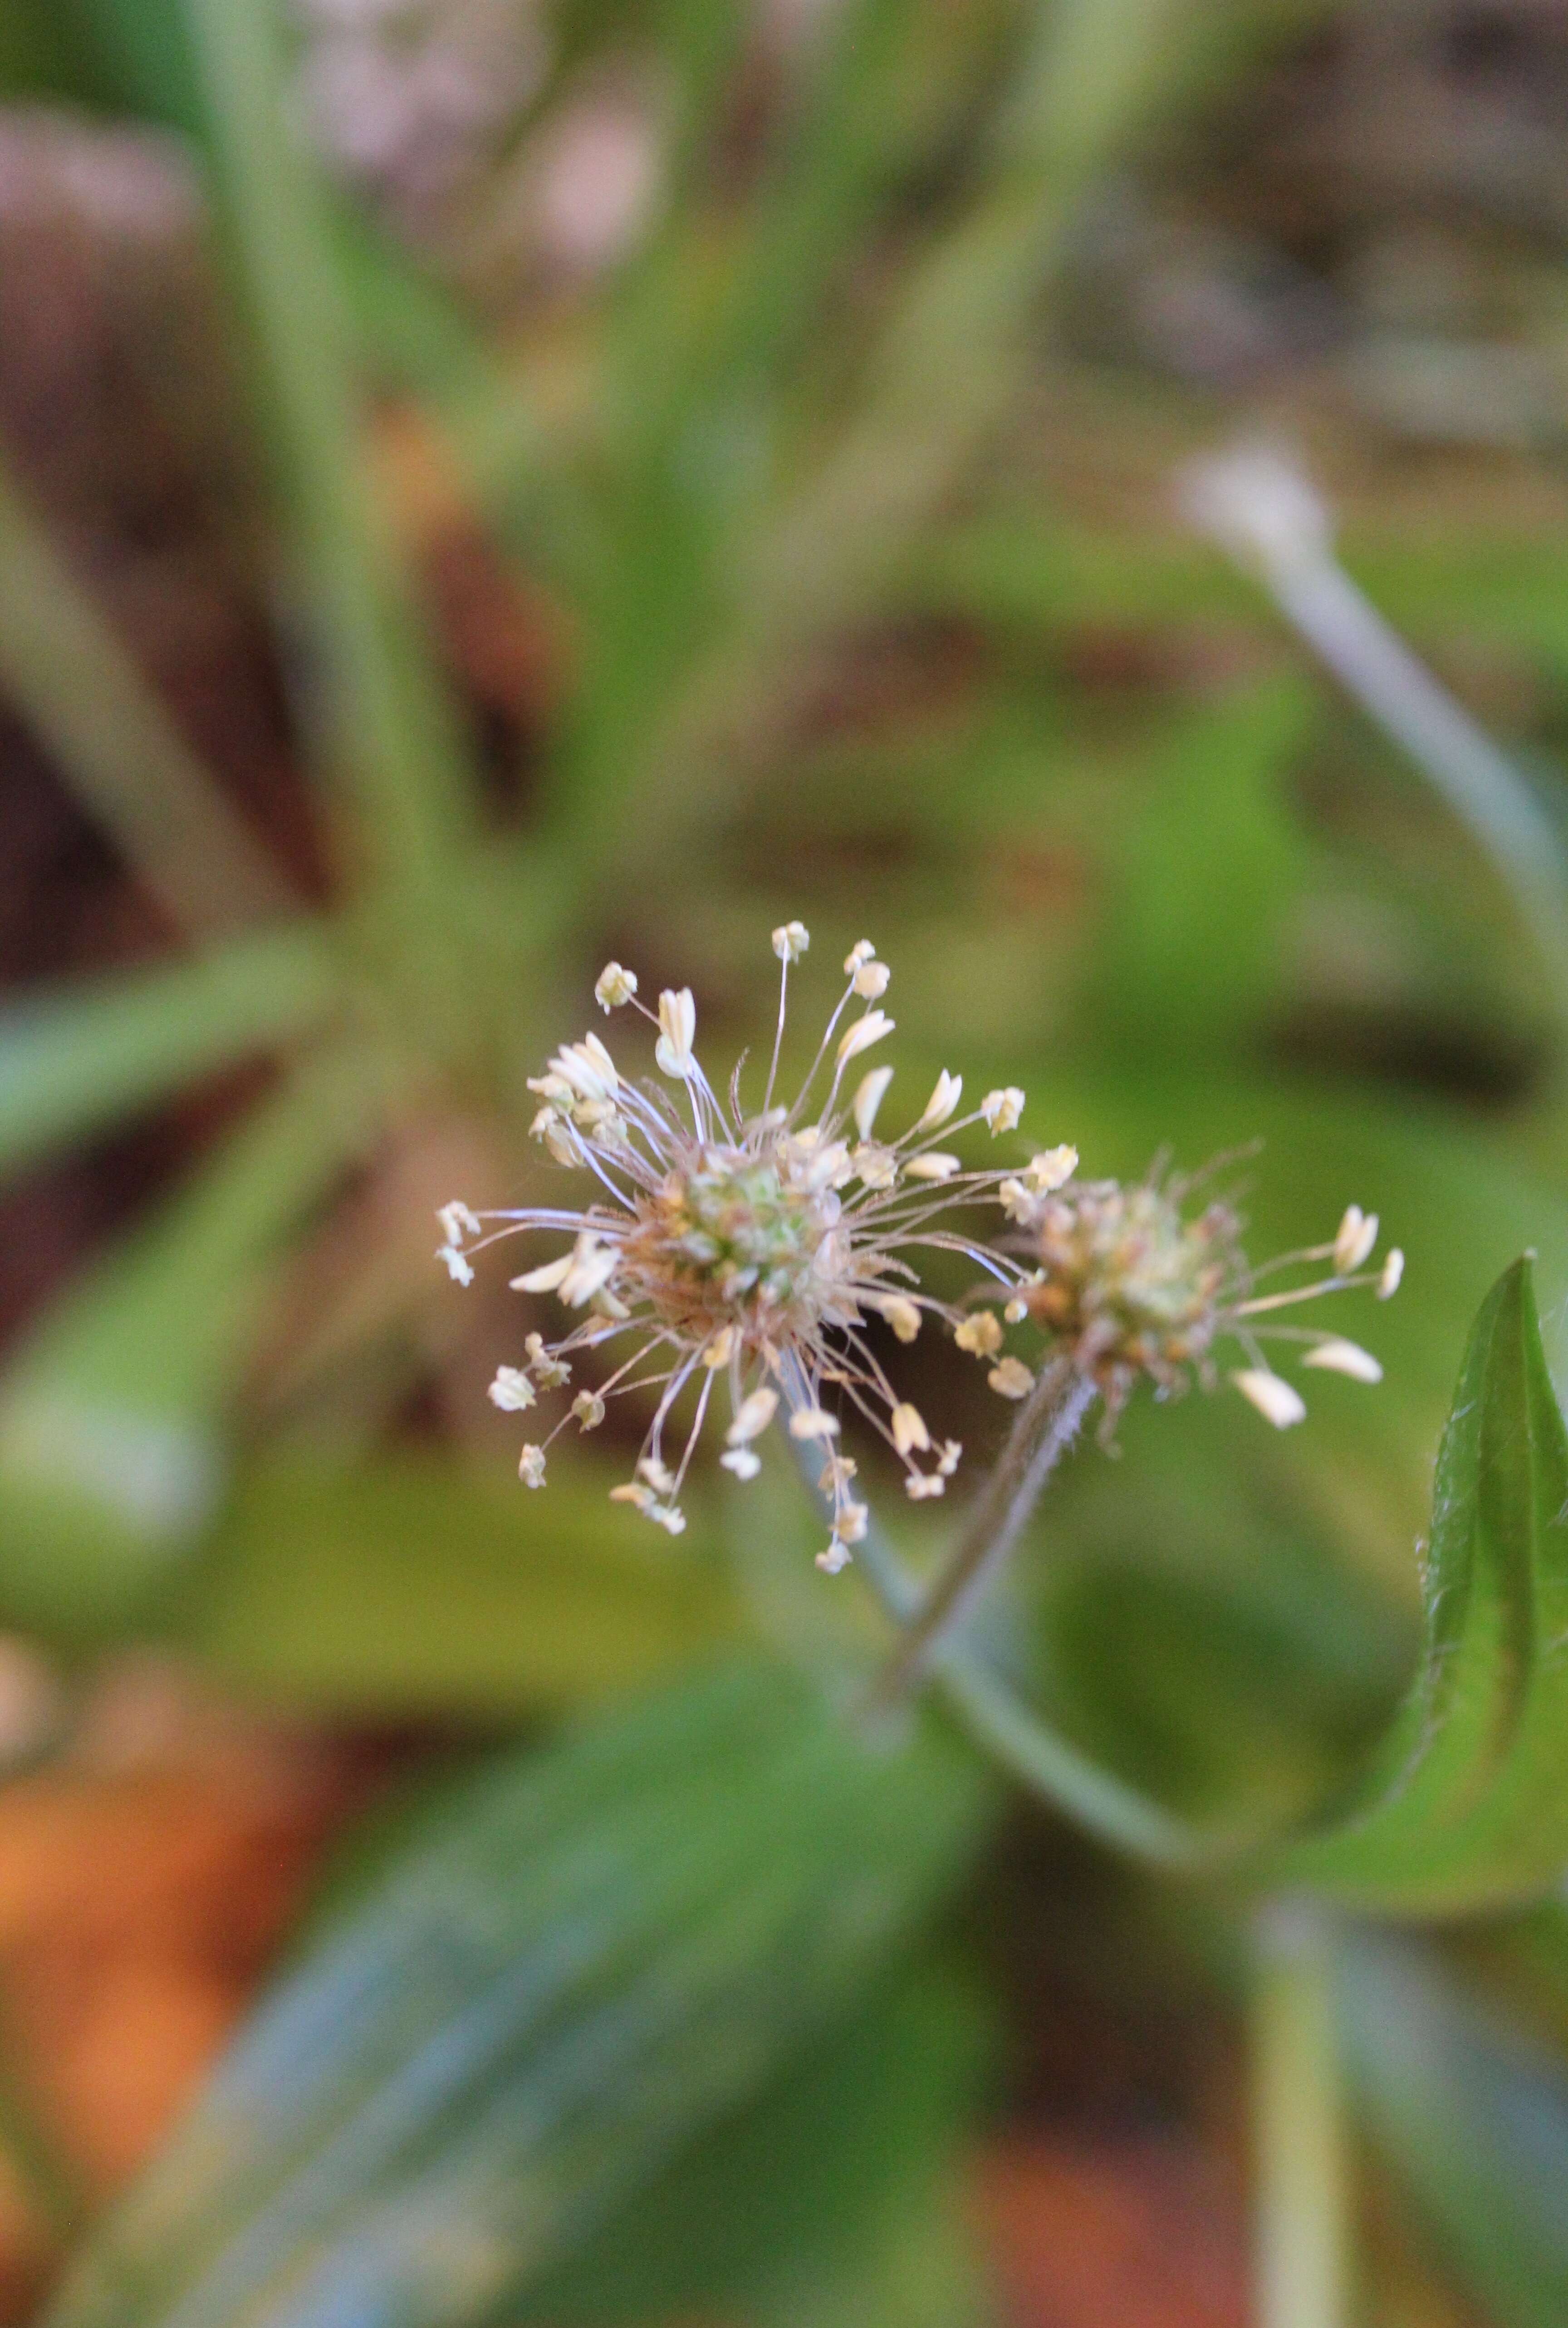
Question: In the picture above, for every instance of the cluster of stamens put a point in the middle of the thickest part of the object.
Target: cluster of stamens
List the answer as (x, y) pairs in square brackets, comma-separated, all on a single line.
[(1127, 1287), (749, 1250)]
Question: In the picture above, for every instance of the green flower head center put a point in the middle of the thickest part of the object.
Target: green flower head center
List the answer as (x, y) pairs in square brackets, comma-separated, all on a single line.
[(1124, 1269), (728, 1237)]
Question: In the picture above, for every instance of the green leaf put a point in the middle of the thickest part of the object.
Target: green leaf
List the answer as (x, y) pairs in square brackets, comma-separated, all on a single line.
[(76, 1059), (1474, 2119), (113, 1412), (608, 1948), (1467, 1804), (414, 1587), (807, 2192), (137, 58), (1192, 942), (386, 729)]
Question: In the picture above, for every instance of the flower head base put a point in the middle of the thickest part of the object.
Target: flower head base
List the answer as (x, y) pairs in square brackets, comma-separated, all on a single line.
[(1128, 1286), (750, 1250)]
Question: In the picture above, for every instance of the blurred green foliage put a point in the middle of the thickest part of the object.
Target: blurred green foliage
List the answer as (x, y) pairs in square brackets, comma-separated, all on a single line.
[(631, 2025)]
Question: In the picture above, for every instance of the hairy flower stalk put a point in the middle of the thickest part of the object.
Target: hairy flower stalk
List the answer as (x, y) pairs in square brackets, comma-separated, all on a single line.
[(746, 1252), (1124, 1286)]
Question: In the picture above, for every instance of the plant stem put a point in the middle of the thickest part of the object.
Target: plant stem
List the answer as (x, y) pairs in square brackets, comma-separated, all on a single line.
[(1303, 2225), (1046, 1425)]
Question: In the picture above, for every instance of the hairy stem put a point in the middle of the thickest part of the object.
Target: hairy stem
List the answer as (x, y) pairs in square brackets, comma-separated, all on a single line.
[(1303, 2177), (1046, 1425)]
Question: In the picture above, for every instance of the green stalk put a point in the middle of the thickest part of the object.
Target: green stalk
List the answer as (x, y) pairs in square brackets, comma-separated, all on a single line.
[(1300, 2141), (1044, 1427)]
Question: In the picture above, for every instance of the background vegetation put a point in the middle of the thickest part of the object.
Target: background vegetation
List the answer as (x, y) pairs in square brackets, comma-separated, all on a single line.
[(797, 532)]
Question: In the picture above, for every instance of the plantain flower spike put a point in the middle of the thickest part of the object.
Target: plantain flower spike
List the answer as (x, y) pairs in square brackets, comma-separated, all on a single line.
[(741, 1256), (1127, 1285)]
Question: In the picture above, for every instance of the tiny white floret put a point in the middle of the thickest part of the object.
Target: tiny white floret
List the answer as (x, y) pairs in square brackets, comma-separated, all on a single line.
[(1002, 1109), (752, 1417), (511, 1390), (868, 1096), (815, 1423), (1275, 1401), (909, 1427), (942, 1103), (865, 1031), (1358, 1234), (615, 986), (1342, 1357)]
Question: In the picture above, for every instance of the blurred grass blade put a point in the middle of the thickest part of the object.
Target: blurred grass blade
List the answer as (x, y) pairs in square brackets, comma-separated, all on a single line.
[(113, 1454), (77, 1059), (414, 341), (1466, 1806), (1191, 952), (603, 1950), (414, 1588), (137, 58), (802, 2206), (387, 731), (78, 687), (1474, 2119)]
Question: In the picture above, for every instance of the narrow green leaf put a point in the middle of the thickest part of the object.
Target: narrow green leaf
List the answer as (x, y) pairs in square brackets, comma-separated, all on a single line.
[(1466, 1806), (78, 687), (805, 2196), (611, 1946), (386, 727), (137, 58), (413, 1586), (1191, 945), (1473, 2118), (113, 1455), (76, 1059)]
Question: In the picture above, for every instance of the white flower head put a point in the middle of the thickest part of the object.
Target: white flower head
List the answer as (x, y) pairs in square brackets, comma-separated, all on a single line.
[(733, 1260), (1391, 1273), (459, 1268), (1127, 1286), (531, 1467)]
